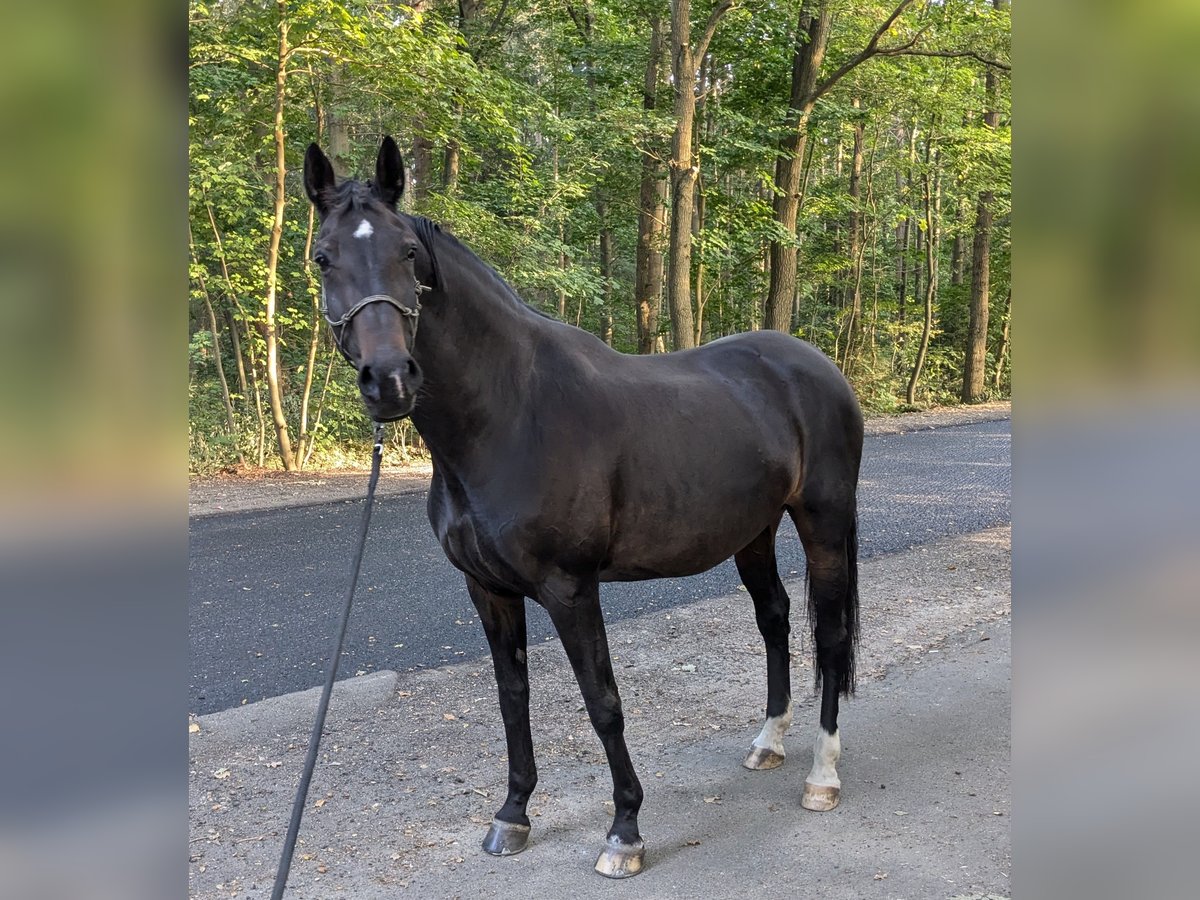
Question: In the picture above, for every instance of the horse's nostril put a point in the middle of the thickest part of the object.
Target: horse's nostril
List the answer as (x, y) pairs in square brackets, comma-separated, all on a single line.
[(411, 367), (367, 383)]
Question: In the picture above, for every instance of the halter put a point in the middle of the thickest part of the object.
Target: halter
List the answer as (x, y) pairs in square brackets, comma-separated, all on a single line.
[(424, 229), (409, 312)]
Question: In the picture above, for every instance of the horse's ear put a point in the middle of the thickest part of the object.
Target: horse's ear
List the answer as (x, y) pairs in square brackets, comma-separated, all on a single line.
[(389, 172), (319, 179)]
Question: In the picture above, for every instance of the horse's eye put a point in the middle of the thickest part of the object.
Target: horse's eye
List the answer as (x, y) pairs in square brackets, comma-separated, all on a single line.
[(321, 260), (412, 252)]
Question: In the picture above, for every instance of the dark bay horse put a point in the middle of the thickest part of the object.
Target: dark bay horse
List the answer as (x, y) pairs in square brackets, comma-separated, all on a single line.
[(559, 463)]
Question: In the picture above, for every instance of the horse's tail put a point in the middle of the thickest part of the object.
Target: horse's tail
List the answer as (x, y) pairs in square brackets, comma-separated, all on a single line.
[(849, 614), (851, 605)]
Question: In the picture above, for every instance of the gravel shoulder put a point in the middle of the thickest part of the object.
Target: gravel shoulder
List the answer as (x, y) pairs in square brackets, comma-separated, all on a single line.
[(217, 494), (407, 781)]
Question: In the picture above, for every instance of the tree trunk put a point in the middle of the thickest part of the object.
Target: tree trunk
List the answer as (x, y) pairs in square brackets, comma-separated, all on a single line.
[(273, 386), (917, 270), (698, 240), (652, 211), (230, 421), (260, 445), (320, 409), (812, 33), (314, 340), (450, 163), (236, 343), (469, 26), (251, 391), (904, 241), (1002, 350), (975, 357), (933, 201), (584, 22), (684, 61), (854, 289), (338, 130), (422, 163), (956, 249), (912, 234), (606, 262), (562, 246)]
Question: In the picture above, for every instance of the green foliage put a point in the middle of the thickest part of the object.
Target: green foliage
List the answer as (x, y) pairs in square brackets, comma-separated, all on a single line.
[(545, 115)]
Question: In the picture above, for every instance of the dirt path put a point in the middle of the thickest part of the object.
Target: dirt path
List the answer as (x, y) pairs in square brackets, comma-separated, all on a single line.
[(410, 775), (217, 494)]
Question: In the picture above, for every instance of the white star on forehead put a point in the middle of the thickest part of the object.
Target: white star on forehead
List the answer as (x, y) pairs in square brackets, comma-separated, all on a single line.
[(364, 229)]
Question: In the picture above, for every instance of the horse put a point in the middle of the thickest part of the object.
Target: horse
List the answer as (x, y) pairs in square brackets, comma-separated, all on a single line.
[(560, 463)]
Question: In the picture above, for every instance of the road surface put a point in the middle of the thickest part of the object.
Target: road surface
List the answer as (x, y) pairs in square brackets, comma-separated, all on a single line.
[(266, 586)]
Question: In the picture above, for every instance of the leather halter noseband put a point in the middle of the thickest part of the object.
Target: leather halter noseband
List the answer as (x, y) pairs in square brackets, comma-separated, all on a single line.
[(409, 312)]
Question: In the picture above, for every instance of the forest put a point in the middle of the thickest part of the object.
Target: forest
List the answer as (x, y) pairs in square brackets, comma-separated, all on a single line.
[(661, 174)]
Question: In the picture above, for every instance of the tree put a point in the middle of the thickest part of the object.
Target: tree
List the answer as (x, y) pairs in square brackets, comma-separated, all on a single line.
[(812, 36), (975, 361), (685, 64), (784, 186), (652, 206)]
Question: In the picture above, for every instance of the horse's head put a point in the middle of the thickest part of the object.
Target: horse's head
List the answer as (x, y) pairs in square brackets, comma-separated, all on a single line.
[(368, 255)]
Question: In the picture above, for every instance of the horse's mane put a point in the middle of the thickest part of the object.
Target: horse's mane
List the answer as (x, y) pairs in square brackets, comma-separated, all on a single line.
[(355, 195), (426, 229)]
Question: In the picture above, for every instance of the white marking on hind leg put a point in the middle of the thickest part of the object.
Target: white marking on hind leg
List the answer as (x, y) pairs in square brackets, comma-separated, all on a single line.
[(771, 736), (364, 229), (826, 752)]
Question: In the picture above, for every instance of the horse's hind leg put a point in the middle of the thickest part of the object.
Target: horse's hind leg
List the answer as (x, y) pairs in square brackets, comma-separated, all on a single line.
[(574, 608), (756, 565), (503, 618), (828, 529)]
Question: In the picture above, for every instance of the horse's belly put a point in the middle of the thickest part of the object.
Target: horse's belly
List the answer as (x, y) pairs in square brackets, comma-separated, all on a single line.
[(661, 542)]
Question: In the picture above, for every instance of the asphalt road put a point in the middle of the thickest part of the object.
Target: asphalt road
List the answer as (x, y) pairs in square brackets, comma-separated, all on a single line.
[(266, 586)]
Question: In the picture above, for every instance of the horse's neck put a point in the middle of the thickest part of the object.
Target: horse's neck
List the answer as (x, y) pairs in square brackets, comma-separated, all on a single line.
[(475, 346)]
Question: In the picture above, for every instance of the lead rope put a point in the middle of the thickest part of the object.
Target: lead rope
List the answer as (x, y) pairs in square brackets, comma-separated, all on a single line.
[(314, 741)]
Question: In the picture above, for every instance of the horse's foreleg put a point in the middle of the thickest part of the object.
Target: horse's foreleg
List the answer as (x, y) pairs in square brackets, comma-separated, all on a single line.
[(503, 617), (756, 565), (574, 607)]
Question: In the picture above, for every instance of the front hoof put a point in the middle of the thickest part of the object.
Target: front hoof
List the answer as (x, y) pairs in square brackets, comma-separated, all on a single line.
[(820, 797), (761, 758), (506, 838), (619, 860)]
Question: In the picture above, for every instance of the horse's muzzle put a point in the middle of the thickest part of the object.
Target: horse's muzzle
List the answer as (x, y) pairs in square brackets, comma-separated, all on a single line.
[(389, 386)]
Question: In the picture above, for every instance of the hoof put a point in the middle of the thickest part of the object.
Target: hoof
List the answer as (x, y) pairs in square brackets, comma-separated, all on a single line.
[(619, 860), (761, 758), (506, 838), (819, 797)]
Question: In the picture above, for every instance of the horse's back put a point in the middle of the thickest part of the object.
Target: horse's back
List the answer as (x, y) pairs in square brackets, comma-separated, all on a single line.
[(783, 380), (701, 448)]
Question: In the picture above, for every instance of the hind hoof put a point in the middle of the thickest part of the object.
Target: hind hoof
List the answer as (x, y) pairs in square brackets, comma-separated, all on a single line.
[(761, 758), (819, 797), (618, 860), (506, 838)]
